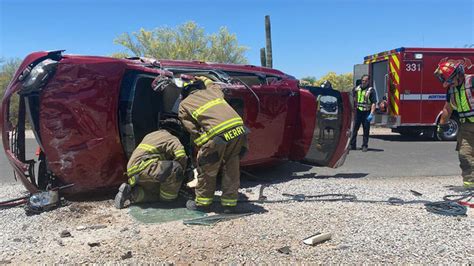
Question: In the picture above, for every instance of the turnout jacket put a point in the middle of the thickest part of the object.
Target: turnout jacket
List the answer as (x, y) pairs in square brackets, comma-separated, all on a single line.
[(159, 145), (462, 100), (205, 114)]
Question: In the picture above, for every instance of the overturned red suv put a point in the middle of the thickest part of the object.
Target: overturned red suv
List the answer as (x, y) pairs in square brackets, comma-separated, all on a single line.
[(88, 114)]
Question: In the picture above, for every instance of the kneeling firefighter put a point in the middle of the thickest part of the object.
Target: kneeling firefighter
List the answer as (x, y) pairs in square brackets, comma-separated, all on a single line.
[(155, 169), (219, 132)]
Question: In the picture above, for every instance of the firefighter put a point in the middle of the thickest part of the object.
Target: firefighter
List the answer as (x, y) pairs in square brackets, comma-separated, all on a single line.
[(365, 108), (459, 97), (219, 132), (155, 169)]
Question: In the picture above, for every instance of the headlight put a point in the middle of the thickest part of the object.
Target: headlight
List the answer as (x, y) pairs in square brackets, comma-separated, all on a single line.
[(38, 76)]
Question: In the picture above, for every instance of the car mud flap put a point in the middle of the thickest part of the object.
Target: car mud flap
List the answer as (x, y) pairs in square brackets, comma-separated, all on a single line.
[(332, 128)]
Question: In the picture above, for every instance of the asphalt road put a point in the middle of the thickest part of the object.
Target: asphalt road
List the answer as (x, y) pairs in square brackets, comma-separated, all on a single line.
[(389, 155)]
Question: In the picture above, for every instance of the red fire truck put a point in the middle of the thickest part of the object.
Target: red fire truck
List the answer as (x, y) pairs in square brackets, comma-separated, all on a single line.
[(410, 97)]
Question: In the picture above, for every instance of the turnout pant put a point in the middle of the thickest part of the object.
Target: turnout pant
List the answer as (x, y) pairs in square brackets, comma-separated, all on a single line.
[(361, 118), (214, 157), (160, 180), (466, 154)]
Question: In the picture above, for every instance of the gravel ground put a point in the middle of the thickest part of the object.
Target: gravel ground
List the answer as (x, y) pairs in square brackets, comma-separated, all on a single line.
[(361, 232)]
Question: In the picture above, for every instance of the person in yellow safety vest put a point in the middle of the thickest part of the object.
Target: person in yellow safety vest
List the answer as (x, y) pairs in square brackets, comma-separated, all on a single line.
[(219, 132), (365, 108), (459, 97), (155, 168)]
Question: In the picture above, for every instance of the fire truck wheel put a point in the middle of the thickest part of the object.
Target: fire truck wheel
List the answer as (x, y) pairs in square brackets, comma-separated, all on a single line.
[(452, 132)]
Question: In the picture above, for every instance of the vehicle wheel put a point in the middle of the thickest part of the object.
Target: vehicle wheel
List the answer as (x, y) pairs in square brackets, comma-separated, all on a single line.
[(452, 132)]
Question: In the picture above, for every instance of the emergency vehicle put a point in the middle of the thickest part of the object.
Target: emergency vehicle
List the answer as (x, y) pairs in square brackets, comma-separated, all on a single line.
[(410, 98)]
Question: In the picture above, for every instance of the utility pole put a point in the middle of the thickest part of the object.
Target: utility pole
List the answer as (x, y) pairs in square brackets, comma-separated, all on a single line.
[(268, 35)]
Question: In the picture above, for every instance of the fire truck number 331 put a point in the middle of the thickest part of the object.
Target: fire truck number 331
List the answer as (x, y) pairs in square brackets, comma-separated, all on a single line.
[(413, 67)]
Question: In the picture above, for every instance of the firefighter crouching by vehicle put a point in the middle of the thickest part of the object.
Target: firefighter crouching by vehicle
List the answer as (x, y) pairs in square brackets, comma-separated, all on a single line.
[(459, 97), (155, 169), (219, 132)]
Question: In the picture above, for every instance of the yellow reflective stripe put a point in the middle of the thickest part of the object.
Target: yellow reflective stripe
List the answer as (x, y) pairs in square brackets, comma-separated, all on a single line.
[(140, 167), (468, 184), (206, 106), (148, 148), (236, 121), (396, 61), (229, 202), (203, 201), (132, 181), (395, 73), (167, 196), (179, 153)]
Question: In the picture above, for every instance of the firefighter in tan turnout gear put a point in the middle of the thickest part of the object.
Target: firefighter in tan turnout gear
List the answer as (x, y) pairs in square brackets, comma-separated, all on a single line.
[(459, 97), (219, 132), (155, 169)]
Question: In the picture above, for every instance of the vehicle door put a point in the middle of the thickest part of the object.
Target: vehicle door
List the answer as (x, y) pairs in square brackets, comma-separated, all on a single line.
[(269, 115), (326, 118)]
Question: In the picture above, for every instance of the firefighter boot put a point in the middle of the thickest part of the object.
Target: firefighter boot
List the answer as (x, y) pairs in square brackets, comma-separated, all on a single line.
[(124, 194), (192, 206)]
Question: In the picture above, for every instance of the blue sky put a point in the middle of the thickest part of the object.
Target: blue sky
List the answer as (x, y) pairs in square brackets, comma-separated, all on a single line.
[(309, 38)]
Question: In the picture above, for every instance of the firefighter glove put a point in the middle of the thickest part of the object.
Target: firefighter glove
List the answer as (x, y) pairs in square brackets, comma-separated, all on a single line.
[(370, 117)]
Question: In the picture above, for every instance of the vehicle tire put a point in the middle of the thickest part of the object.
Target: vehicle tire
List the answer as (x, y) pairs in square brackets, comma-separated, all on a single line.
[(452, 132)]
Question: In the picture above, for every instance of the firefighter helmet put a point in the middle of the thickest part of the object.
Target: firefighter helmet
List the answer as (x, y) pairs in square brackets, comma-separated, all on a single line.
[(191, 86), (447, 71)]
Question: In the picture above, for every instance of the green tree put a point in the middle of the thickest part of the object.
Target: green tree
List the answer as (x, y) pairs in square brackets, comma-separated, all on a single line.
[(310, 80), (342, 82), (7, 70), (185, 42)]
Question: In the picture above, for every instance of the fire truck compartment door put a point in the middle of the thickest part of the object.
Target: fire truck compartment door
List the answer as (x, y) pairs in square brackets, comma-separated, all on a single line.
[(332, 127)]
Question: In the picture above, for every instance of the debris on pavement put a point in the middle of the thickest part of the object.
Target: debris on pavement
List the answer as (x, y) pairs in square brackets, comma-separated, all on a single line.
[(317, 238), (416, 193), (127, 255), (284, 250), (93, 244), (65, 233)]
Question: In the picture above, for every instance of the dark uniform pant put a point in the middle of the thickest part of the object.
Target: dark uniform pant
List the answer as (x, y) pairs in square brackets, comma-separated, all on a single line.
[(361, 118), (218, 156), (160, 180), (466, 153)]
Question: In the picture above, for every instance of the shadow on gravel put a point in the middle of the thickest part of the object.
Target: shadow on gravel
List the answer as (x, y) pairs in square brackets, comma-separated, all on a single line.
[(287, 172), (458, 188), (403, 138), (92, 196)]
